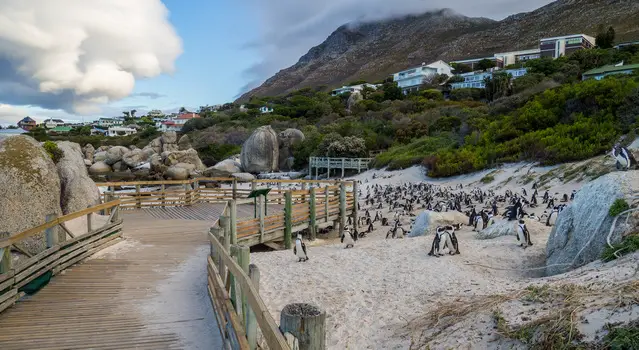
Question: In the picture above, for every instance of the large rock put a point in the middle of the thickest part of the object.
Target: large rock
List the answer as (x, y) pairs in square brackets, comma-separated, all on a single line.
[(137, 157), (99, 156), (244, 177), (503, 227), (103, 148), (176, 173), (89, 151), (157, 164), (287, 139), (426, 222), (353, 99), (29, 189), (215, 172), (184, 143), (189, 156), (228, 165), (78, 191), (115, 154), (100, 168), (260, 153), (580, 232), (120, 167), (156, 145), (169, 141)]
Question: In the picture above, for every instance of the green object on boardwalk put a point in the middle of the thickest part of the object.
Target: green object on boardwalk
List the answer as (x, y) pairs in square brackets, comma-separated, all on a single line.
[(256, 193), (37, 284)]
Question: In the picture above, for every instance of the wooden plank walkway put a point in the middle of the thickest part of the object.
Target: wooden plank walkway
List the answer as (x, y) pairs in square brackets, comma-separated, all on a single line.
[(148, 292)]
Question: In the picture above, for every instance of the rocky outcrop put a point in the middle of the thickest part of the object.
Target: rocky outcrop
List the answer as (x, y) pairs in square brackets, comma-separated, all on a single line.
[(353, 99), (260, 152), (137, 157), (29, 189), (189, 156), (215, 172), (184, 143), (100, 168), (89, 151), (503, 227), (244, 177), (287, 139), (229, 166), (580, 232), (177, 173), (426, 222), (99, 156), (78, 191), (169, 141), (156, 145), (115, 154)]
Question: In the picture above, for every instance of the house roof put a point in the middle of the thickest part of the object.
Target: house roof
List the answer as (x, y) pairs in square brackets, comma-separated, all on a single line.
[(188, 116), (27, 120), (611, 69)]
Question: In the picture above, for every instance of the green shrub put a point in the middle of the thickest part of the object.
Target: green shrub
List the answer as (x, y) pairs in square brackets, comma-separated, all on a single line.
[(487, 179), (54, 152), (619, 206), (404, 156), (628, 245), (622, 338)]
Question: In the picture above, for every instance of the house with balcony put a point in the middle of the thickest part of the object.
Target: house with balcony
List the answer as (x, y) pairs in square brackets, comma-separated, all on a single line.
[(412, 79), (266, 110), (515, 57), (565, 45), (27, 124), (108, 122), (185, 117), (602, 72), (52, 123), (353, 88), (473, 62), (120, 131), (477, 80)]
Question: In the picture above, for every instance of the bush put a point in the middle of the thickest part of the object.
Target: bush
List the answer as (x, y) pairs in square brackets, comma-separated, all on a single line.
[(404, 156), (622, 338), (487, 179), (628, 245), (467, 94), (54, 152), (619, 206)]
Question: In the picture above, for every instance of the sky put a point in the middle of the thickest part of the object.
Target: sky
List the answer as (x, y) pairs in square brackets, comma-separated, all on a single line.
[(83, 59)]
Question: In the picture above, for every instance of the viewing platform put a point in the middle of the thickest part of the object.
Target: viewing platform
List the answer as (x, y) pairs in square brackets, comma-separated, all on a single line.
[(359, 164)]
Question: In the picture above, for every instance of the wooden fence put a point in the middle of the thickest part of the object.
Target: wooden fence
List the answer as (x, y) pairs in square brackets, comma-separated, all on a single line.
[(63, 249)]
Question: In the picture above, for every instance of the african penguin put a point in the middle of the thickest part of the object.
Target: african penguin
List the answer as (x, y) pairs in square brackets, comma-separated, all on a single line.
[(523, 235), (347, 237), (300, 249)]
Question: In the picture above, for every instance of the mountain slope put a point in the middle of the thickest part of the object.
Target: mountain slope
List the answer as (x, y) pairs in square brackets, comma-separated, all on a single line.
[(372, 51)]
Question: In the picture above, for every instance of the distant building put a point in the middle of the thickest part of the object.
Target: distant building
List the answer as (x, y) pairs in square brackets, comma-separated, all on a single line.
[(565, 45), (602, 72), (27, 123), (108, 122), (472, 63), (411, 79), (514, 57), (476, 80), (185, 117), (352, 88), (52, 123), (120, 131), (266, 110), (169, 125), (58, 130), (625, 44), (156, 113)]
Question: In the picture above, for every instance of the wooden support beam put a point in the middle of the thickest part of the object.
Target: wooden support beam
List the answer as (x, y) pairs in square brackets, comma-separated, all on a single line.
[(312, 209), (355, 199), (243, 259), (233, 218), (51, 233), (234, 188), (288, 222), (251, 322), (260, 201), (326, 200), (6, 263), (138, 203), (163, 198), (225, 224)]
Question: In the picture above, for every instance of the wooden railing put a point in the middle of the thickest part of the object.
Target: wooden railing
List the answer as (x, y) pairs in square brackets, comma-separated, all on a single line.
[(62, 250), (233, 285)]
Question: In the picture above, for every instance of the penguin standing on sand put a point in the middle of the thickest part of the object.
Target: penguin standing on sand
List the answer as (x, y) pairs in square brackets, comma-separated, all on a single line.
[(439, 242), (348, 238), (523, 235), (624, 158), (300, 249)]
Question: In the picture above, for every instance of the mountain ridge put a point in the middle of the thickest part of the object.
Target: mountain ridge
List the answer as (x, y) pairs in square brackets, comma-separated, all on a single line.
[(373, 50)]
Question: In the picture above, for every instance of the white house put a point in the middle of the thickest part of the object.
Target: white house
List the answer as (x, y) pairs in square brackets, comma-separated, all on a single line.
[(476, 80), (514, 57), (185, 117), (107, 122), (353, 88), (120, 131), (266, 109), (52, 123), (411, 79), (169, 125)]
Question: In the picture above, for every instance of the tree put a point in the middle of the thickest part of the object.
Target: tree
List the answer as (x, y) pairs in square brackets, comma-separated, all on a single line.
[(183, 110), (461, 68), (485, 64), (456, 79), (605, 39), (498, 86), (132, 113), (392, 91)]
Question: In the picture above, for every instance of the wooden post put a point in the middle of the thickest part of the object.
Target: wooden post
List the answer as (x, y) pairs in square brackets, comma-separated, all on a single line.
[(215, 255), (355, 205), (313, 223), (288, 219), (243, 256), (89, 219), (307, 323), (342, 207), (225, 224), (251, 321), (328, 168), (303, 189), (253, 185), (279, 192), (138, 203), (116, 215), (234, 188), (51, 233), (343, 161), (196, 191), (187, 201), (163, 195), (6, 263), (326, 193), (233, 206), (260, 201), (234, 292)]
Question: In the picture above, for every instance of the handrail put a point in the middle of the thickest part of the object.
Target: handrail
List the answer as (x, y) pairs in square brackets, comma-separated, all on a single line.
[(60, 220)]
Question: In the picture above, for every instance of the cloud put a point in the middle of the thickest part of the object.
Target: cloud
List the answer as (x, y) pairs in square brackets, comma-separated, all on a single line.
[(78, 55), (12, 114), (151, 95), (289, 28)]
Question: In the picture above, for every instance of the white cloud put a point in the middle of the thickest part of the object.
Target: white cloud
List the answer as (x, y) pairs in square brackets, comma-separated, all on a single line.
[(289, 28), (80, 54), (10, 115)]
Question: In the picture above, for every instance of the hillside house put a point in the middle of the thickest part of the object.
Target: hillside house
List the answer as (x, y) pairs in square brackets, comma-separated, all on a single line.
[(602, 72), (120, 131), (476, 80), (565, 45), (472, 63), (352, 89), (27, 123), (266, 109), (412, 79), (52, 123), (108, 122), (626, 44), (185, 117), (515, 57)]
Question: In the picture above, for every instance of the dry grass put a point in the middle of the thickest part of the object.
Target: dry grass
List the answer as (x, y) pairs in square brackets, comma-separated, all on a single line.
[(553, 330)]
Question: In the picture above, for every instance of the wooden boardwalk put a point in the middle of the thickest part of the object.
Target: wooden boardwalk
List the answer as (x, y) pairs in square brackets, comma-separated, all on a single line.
[(149, 292)]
